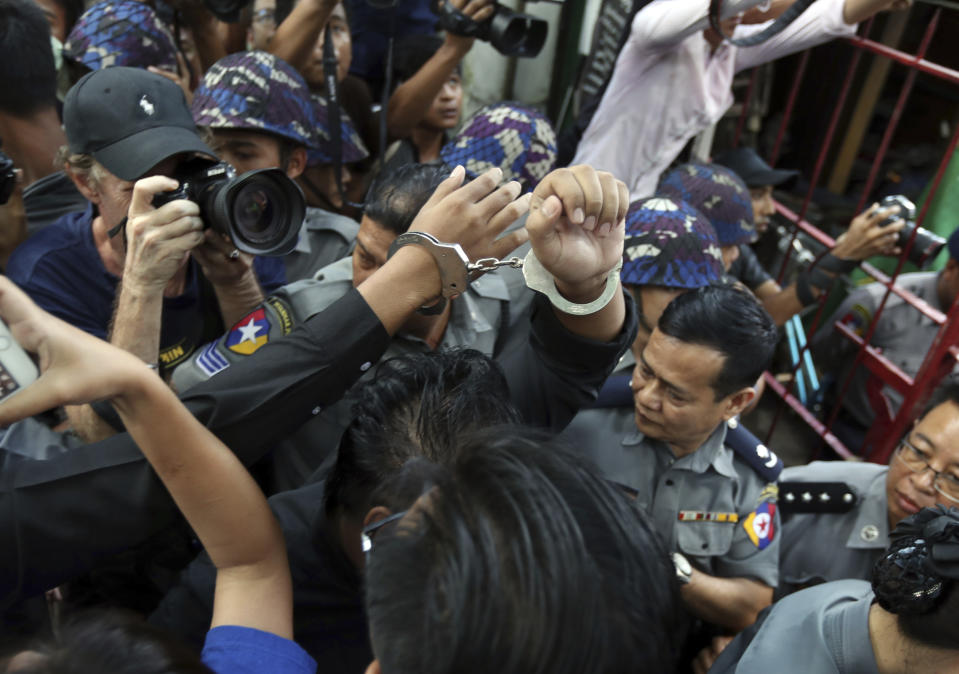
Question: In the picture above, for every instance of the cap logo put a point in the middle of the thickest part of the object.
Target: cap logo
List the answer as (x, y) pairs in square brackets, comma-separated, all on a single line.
[(147, 106)]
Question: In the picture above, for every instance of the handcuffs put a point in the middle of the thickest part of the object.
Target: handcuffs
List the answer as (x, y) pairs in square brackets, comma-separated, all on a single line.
[(456, 273)]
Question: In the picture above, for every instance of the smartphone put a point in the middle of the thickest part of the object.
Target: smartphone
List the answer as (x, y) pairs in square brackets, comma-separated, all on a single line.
[(17, 369)]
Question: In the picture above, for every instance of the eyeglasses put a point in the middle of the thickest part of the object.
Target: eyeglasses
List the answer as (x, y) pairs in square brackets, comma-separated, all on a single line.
[(263, 15), (366, 537), (917, 461)]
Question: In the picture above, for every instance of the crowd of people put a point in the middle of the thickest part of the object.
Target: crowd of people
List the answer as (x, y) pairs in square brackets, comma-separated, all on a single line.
[(331, 386)]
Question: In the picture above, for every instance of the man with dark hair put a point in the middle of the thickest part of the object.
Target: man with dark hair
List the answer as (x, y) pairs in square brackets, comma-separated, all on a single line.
[(409, 421), (30, 128), (714, 507), (514, 527), (837, 515), (128, 130)]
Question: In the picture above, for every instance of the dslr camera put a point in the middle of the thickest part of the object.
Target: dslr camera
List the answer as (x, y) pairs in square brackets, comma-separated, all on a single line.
[(509, 32), (926, 245), (261, 211), (8, 178)]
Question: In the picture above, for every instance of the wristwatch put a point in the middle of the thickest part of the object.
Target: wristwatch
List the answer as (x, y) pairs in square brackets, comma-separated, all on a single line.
[(684, 570)]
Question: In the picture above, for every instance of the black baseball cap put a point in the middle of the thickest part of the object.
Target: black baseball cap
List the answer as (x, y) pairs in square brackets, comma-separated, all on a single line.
[(755, 172), (130, 120)]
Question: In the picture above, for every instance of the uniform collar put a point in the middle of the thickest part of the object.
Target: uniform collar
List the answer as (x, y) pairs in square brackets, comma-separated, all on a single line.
[(712, 453), (871, 528)]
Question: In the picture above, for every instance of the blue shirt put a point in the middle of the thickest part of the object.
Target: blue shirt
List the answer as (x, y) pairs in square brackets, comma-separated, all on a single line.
[(61, 269), (231, 649)]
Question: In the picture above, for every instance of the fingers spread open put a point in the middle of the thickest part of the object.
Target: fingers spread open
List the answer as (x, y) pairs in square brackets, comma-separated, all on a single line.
[(447, 187)]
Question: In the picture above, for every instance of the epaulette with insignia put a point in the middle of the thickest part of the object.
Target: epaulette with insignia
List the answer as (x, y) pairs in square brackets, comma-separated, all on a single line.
[(816, 497), (759, 457), (615, 393)]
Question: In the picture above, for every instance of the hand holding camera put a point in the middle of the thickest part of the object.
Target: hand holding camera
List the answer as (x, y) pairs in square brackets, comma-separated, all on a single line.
[(158, 239)]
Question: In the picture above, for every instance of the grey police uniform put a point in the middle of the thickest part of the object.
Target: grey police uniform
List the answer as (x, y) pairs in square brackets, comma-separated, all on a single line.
[(324, 238), (835, 522), (823, 629), (712, 505), (903, 334)]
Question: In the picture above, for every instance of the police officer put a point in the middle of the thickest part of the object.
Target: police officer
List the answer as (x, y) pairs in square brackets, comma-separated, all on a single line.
[(717, 514), (906, 621), (261, 115), (902, 333), (837, 515)]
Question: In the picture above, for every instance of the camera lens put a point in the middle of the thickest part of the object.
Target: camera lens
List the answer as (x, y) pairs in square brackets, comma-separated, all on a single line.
[(261, 211), (253, 211)]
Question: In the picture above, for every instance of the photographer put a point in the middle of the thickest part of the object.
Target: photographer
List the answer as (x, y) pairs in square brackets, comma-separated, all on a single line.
[(427, 103), (902, 333), (181, 285)]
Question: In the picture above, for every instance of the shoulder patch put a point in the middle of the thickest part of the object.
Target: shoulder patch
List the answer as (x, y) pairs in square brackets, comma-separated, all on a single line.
[(250, 333), (817, 497), (759, 457), (760, 524), (857, 318)]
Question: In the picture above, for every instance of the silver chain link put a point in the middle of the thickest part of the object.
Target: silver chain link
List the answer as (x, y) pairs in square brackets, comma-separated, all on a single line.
[(491, 263)]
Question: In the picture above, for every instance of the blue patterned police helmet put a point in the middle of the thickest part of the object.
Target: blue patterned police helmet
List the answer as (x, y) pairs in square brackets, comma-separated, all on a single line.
[(255, 90), (519, 140), (717, 193), (671, 244), (352, 148), (122, 33)]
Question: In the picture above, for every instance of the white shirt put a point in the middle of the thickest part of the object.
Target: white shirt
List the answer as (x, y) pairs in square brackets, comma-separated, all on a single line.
[(667, 86)]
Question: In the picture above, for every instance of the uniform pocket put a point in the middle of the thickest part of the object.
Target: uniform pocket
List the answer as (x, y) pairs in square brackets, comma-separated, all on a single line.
[(704, 539)]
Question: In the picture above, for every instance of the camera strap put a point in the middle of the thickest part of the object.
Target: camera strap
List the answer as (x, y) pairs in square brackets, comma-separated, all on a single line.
[(776, 26), (455, 21)]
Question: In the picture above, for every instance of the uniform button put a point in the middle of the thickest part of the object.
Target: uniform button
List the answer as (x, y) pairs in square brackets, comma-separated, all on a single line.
[(705, 545), (669, 483), (365, 366)]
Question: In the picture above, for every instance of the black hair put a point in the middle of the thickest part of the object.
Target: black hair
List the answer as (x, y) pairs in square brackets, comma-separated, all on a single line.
[(917, 577), (112, 642), (398, 195), (521, 560), (411, 53), (415, 406), (946, 392), (28, 76), (731, 321)]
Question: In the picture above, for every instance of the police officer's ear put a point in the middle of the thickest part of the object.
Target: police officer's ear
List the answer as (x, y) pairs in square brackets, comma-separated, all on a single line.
[(374, 668), (735, 403), (296, 163)]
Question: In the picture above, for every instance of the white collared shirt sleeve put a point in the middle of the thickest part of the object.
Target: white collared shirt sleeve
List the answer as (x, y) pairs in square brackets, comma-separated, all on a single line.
[(822, 21)]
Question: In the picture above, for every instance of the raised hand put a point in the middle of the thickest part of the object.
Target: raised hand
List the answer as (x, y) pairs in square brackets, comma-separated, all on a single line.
[(475, 214), (75, 367), (865, 237), (576, 227)]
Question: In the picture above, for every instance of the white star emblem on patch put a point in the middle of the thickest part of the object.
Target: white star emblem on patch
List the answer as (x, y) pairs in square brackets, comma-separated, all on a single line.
[(248, 331), (147, 106)]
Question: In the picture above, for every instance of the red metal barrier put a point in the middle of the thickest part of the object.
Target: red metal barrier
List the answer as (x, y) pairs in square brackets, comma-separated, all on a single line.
[(944, 354)]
